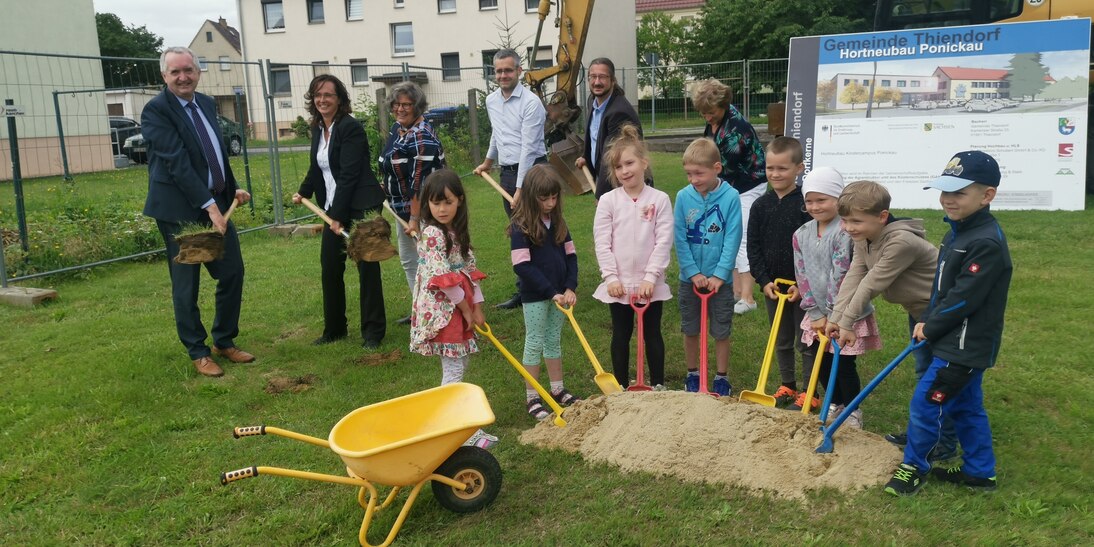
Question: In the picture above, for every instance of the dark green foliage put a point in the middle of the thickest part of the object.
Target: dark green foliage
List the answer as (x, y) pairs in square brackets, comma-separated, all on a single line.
[(117, 39)]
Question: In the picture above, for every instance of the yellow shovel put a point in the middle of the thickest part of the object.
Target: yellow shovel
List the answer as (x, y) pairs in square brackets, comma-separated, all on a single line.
[(604, 380), (758, 396), (485, 331), (816, 374)]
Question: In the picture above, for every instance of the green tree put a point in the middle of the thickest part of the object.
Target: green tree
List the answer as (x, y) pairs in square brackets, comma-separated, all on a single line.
[(852, 94), (658, 33), (1026, 75), (826, 91), (116, 39)]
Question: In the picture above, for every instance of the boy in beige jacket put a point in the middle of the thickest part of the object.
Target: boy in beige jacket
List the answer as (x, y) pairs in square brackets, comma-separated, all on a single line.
[(893, 258)]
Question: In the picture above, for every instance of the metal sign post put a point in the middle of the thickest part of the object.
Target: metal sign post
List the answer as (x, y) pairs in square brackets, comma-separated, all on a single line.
[(10, 111)]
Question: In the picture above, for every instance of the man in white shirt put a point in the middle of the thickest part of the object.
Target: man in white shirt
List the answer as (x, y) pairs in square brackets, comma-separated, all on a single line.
[(517, 117)]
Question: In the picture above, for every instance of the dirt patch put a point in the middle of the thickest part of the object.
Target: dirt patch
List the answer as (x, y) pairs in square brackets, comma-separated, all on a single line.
[(294, 332), (379, 358), (702, 439), (288, 384)]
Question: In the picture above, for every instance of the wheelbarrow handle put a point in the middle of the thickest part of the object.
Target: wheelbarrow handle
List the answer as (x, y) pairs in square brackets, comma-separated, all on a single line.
[(238, 474), (247, 431)]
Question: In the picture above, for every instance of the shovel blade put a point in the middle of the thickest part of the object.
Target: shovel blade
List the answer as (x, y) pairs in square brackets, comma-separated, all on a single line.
[(607, 384), (639, 387), (758, 398)]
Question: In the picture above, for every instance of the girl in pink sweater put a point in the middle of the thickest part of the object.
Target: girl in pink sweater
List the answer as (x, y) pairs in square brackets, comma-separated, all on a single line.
[(633, 236)]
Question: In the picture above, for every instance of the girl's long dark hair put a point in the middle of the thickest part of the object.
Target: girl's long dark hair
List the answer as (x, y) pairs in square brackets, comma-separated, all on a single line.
[(433, 190), (541, 181)]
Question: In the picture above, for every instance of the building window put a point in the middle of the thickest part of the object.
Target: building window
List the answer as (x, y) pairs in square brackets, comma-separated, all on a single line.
[(225, 62), (273, 14), (943, 84), (203, 64), (320, 67), (488, 63), (208, 36), (866, 82), (315, 11), (450, 66), (846, 81), (353, 10), (901, 83), (398, 3), (359, 71), (402, 39), (915, 83), (488, 4), (544, 59), (279, 80), (446, 6), (886, 83), (531, 5)]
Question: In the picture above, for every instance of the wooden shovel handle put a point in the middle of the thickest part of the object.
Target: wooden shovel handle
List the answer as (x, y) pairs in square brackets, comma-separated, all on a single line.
[(231, 209), (315, 209), (588, 176), (399, 219), (497, 187)]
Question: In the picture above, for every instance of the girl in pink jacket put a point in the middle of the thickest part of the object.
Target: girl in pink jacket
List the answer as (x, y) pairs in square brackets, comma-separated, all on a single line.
[(633, 235)]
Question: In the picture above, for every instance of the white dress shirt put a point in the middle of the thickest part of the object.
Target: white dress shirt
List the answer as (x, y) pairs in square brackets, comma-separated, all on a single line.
[(322, 159), (517, 136)]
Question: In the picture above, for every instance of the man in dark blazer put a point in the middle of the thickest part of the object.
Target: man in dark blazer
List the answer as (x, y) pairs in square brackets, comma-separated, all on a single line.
[(190, 181), (610, 110)]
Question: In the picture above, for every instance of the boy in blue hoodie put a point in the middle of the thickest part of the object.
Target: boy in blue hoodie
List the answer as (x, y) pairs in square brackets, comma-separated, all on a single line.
[(708, 233)]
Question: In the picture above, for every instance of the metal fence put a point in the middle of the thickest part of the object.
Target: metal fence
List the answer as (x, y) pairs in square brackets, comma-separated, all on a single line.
[(81, 202)]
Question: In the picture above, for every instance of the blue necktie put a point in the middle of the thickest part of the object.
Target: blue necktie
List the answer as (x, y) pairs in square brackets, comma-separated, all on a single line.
[(210, 152)]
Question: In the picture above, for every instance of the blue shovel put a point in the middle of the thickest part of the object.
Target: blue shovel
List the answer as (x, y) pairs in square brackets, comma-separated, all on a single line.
[(826, 444)]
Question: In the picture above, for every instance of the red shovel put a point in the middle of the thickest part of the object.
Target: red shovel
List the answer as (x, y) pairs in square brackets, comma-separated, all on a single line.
[(704, 296), (639, 312)]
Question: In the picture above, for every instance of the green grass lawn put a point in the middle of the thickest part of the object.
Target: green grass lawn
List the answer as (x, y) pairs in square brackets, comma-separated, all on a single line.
[(110, 437)]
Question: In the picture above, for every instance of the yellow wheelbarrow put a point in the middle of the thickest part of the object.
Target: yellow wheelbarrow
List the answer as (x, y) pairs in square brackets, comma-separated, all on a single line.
[(405, 441)]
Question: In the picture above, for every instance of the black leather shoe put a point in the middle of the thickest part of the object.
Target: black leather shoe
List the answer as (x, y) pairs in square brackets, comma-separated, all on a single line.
[(326, 339), (370, 344), (403, 320), (513, 302)]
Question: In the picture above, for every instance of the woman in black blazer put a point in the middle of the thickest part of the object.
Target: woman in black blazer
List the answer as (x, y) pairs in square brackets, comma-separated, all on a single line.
[(342, 181)]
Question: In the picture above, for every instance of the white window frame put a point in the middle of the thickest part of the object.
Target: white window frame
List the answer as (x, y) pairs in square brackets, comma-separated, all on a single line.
[(280, 68), (265, 16), (399, 4), (531, 6), (485, 6), (354, 66), (225, 63), (308, 5), (203, 64), (320, 67), (360, 10), (441, 9), (394, 47)]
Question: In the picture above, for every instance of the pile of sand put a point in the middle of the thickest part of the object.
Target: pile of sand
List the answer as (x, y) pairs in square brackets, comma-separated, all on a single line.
[(698, 438)]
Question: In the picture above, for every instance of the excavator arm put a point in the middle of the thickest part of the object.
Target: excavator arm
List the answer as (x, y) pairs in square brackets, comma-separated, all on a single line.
[(572, 21)]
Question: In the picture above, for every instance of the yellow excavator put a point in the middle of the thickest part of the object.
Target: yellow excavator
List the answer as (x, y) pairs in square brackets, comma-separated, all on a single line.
[(572, 20)]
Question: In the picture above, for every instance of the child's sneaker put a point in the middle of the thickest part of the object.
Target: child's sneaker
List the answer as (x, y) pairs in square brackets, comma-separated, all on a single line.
[(691, 382), (899, 439), (537, 410), (742, 307), (905, 482), (564, 397), (834, 411), (854, 419), (956, 476), (939, 454), (784, 396), (482, 440), (722, 387), (799, 402), (660, 387)]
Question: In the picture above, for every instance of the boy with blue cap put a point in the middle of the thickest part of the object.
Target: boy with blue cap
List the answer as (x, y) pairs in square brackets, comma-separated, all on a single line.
[(964, 326)]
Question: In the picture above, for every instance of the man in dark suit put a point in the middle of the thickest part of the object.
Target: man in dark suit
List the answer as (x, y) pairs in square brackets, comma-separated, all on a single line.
[(190, 181), (609, 110)]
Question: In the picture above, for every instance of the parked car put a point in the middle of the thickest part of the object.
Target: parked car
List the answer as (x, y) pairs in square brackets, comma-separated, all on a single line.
[(981, 105), (135, 148), (924, 105), (444, 115), (121, 128)]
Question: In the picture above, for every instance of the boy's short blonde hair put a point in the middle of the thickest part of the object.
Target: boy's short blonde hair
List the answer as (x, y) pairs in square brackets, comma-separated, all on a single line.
[(703, 152), (782, 145), (865, 196)]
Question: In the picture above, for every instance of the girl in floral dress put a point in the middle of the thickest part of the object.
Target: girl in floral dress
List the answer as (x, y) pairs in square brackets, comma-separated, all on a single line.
[(447, 299)]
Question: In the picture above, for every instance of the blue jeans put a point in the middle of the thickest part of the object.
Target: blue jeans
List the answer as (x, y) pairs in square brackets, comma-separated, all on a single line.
[(947, 443), (965, 409)]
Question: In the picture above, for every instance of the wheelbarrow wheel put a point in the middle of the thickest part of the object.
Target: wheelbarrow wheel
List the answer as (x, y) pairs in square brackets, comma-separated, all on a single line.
[(476, 468)]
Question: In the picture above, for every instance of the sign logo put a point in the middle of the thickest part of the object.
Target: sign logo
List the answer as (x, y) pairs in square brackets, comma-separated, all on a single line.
[(1065, 171), (928, 126), (1066, 150), (1066, 126)]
